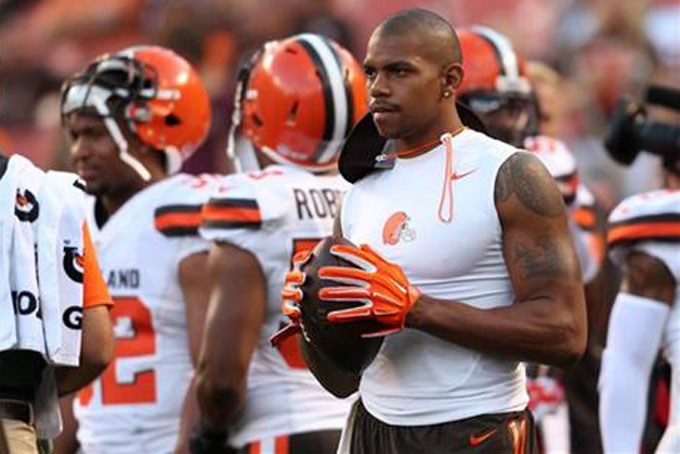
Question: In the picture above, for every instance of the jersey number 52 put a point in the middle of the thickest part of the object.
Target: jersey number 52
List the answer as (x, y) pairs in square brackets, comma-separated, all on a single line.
[(138, 340)]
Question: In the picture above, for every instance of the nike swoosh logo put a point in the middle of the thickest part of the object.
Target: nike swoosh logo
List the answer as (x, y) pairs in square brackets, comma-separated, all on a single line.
[(478, 440), (458, 176)]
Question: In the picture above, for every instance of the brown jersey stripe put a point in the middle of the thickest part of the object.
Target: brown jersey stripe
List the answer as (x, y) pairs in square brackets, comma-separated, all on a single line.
[(233, 203), (651, 231), (231, 224), (179, 208)]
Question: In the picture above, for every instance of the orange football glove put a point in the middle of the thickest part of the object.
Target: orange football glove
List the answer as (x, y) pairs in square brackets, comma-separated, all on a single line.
[(382, 286), (291, 294)]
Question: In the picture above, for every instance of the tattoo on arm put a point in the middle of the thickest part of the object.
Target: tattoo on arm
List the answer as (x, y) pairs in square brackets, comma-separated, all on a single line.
[(542, 258), (523, 175)]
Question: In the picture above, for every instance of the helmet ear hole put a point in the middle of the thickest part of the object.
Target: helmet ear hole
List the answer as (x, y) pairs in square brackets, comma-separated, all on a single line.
[(301, 97), (172, 120), (257, 120), (292, 113)]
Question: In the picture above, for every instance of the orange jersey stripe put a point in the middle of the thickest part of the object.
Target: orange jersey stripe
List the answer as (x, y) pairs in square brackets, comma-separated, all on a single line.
[(231, 214), (171, 220), (281, 444), (644, 231)]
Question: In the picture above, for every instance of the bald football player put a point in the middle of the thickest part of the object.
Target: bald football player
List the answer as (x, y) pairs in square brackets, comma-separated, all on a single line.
[(480, 276)]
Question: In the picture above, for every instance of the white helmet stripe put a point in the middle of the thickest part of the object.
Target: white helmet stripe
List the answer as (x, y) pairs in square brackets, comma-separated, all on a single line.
[(338, 90), (503, 47)]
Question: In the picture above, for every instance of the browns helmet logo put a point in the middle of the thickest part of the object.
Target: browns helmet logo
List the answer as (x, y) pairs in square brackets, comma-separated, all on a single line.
[(73, 263), (397, 228), (26, 207)]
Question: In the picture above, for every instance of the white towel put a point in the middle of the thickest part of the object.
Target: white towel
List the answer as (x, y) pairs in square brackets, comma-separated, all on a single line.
[(20, 326), (40, 240), (41, 291), (61, 248)]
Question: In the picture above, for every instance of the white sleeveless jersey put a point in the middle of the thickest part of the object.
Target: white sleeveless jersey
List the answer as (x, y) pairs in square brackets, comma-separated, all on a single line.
[(650, 223), (416, 378), (135, 405), (275, 213)]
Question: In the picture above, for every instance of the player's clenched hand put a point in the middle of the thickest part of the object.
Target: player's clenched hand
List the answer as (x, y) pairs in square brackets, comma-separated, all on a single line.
[(381, 286), (291, 295)]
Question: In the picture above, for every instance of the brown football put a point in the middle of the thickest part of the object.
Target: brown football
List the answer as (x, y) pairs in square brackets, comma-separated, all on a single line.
[(341, 344)]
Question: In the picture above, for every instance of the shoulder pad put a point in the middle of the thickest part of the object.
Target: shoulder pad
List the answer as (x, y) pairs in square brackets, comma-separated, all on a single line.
[(233, 204), (554, 153), (651, 216), (179, 210)]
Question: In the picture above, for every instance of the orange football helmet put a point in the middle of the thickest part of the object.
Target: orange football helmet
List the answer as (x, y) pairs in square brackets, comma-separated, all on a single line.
[(298, 99), (495, 80), (153, 92)]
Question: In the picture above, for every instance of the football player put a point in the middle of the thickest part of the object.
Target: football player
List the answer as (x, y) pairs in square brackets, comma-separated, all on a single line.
[(480, 275), (133, 118), (644, 241), (297, 99)]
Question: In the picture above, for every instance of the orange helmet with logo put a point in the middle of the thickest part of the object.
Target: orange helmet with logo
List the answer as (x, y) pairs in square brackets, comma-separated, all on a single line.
[(298, 99), (494, 79), (153, 92)]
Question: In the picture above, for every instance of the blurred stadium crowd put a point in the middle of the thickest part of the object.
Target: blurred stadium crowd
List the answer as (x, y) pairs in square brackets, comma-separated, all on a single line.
[(601, 48)]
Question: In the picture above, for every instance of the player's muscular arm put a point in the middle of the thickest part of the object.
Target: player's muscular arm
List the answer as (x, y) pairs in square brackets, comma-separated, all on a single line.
[(235, 314), (648, 277), (546, 323), (195, 284)]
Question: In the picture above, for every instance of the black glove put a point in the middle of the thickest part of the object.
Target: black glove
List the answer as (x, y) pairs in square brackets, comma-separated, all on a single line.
[(209, 441)]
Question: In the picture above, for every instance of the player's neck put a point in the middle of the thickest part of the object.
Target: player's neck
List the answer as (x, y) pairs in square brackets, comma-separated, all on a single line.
[(113, 201), (429, 139)]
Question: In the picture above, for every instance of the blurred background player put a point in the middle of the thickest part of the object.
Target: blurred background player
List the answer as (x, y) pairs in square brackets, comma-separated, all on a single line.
[(644, 241), (296, 101), (498, 88), (133, 118), (72, 301)]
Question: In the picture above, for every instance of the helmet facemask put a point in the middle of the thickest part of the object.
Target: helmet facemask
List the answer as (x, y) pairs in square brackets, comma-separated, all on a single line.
[(509, 118), (147, 92), (117, 88)]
